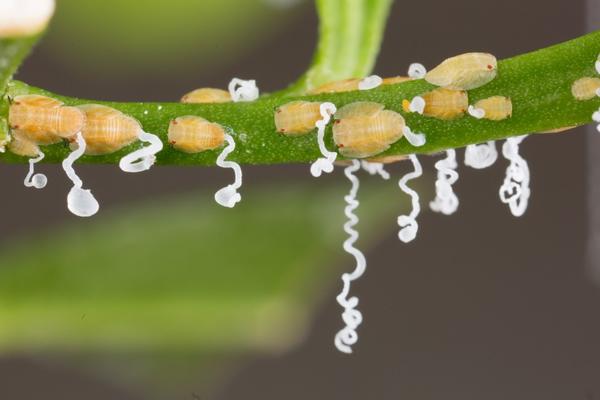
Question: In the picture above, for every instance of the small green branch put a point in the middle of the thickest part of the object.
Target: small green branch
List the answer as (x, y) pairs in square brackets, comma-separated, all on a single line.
[(539, 84), (350, 34)]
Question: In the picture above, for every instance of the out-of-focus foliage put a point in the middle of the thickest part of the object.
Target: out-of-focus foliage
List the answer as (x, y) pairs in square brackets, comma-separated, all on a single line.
[(114, 36), (181, 274)]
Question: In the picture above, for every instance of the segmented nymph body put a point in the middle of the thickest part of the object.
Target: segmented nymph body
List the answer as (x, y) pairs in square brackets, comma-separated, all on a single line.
[(466, 71), (364, 129), (585, 88), (108, 130), (191, 134), (496, 108), (443, 103), (44, 120), (346, 85), (297, 117), (207, 95)]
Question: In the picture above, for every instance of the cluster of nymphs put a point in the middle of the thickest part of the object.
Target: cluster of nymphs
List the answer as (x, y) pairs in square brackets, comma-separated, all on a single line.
[(94, 129), (363, 130)]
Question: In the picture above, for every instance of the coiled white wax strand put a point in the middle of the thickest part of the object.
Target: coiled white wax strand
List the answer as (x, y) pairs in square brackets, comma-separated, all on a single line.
[(325, 163), (515, 189), (446, 201), (408, 223), (229, 196), (144, 158), (80, 202), (347, 336), (481, 156), (37, 181)]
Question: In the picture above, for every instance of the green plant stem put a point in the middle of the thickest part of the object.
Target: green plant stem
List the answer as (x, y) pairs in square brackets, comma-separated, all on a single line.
[(539, 84), (350, 34)]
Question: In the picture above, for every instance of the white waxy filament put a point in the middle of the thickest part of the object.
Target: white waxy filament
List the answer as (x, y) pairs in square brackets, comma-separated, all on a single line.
[(37, 181), (481, 156), (408, 223), (243, 90), (515, 190), (80, 202), (445, 201), (416, 139), (347, 336), (229, 196), (375, 168), (325, 163), (370, 82), (598, 64), (144, 158), (417, 71), (474, 112)]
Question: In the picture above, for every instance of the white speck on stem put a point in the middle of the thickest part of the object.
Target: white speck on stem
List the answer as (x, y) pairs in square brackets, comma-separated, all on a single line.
[(417, 71), (478, 113), (417, 105), (370, 82), (243, 90)]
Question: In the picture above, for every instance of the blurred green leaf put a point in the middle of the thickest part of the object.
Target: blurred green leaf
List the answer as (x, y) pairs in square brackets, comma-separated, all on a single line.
[(112, 36), (182, 274), (12, 53)]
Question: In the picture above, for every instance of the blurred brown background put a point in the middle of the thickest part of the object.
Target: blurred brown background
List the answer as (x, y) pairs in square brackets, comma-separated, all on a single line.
[(480, 306)]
